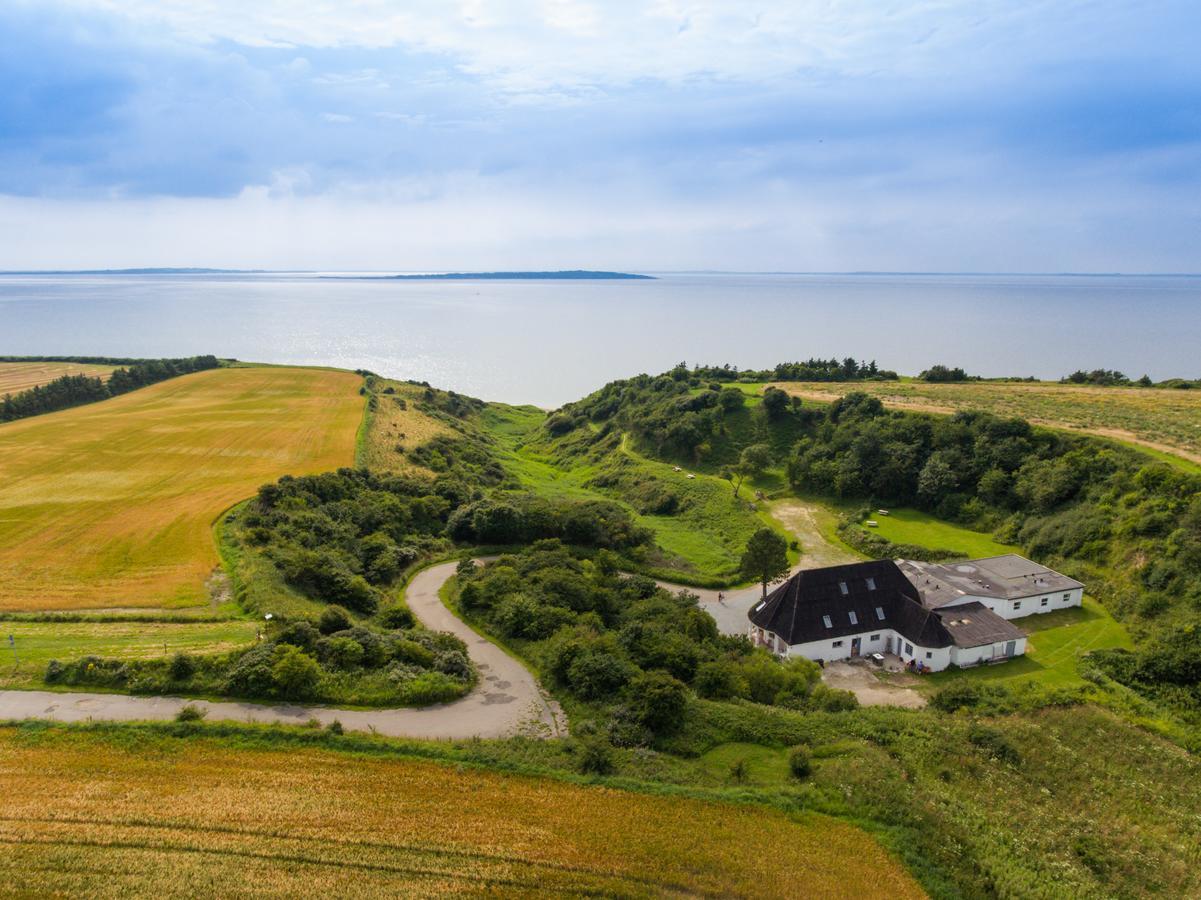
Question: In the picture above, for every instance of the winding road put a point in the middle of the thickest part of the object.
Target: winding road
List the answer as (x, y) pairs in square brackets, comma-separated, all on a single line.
[(507, 701)]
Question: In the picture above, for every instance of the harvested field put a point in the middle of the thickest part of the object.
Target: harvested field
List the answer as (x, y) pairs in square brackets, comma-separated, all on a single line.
[(17, 376), (1159, 419), (144, 814), (111, 505)]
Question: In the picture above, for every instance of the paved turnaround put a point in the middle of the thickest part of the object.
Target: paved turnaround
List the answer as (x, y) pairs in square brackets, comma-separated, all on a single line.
[(507, 701)]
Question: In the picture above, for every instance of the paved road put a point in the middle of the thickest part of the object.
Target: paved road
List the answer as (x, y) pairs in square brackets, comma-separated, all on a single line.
[(507, 701)]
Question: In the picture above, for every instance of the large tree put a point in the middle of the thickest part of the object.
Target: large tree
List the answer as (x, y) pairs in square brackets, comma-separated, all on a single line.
[(766, 558)]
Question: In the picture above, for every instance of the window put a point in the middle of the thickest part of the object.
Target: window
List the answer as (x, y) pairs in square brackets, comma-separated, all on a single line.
[(836, 644), (880, 613), (1017, 604), (828, 623), (871, 584), (874, 637), (1044, 601), (842, 586), (929, 654), (1067, 597), (854, 619), (909, 649)]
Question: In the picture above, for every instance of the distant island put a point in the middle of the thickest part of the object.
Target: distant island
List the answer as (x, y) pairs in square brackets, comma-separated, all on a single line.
[(564, 275)]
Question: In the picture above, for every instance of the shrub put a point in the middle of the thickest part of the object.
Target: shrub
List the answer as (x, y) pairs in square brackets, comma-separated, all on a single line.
[(799, 762), (397, 617), (294, 673), (54, 672), (453, 663), (596, 756), (250, 674), (299, 633), (657, 701), (333, 619), (334, 727), (719, 679), (994, 744), (182, 667), (191, 713), (340, 652)]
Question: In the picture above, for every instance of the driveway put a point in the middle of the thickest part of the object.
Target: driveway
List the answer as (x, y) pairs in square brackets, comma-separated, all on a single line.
[(860, 680), (507, 701)]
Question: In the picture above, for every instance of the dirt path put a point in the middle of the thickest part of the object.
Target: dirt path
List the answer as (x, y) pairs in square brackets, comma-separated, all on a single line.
[(507, 701)]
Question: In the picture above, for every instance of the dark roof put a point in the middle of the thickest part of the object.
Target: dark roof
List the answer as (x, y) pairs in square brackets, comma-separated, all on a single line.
[(852, 597), (974, 624)]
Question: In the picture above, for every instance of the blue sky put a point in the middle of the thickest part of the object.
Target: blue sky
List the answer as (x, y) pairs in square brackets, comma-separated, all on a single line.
[(1024, 135)]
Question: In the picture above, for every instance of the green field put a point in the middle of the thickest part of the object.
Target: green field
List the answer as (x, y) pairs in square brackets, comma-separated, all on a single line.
[(1165, 423), (910, 526), (1057, 640), (110, 505), (23, 662)]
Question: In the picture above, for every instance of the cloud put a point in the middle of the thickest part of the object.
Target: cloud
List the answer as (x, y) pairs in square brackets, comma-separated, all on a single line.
[(1022, 134)]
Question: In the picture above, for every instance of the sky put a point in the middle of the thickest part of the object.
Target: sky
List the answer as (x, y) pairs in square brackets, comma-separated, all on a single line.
[(811, 135)]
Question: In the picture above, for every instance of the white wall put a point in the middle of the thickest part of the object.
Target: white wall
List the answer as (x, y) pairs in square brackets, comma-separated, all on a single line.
[(1024, 606), (934, 658), (972, 656)]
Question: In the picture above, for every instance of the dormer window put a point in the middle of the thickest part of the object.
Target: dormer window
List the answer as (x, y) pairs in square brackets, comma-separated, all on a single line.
[(871, 584), (880, 613), (854, 619), (842, 586), (826, 620)]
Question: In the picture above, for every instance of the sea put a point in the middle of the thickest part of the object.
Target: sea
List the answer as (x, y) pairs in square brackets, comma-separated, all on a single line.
[(546, 342)]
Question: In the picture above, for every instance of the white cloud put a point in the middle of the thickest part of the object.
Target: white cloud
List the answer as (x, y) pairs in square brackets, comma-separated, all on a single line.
[(527, 44)]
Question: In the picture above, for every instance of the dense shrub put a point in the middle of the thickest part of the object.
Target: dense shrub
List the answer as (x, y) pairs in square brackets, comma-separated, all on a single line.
[(799, 762)]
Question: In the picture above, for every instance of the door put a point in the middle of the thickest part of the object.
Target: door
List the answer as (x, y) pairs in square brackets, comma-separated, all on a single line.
[(855, 645), (888, 644), (1010, 647)]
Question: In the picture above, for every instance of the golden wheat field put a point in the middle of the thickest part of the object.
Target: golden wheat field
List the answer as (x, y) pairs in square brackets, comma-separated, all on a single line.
[(87, 816), (16, 376), (111, 504), (1163, 420)]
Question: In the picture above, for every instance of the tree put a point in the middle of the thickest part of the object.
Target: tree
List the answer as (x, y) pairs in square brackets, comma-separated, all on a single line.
[(657, 701), (751, 463), (766, 558), (775, 403), (731, 399)]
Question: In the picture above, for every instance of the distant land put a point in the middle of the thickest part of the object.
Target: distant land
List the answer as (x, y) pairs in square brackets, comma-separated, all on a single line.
[(563, 275)]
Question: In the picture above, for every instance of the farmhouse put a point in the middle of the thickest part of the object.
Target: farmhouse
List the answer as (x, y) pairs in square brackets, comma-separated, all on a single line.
[(841, 612), (1010, 585)]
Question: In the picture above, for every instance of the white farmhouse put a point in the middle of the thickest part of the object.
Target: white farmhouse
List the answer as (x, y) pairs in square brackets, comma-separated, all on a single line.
[(842, 612), (1010, 585)]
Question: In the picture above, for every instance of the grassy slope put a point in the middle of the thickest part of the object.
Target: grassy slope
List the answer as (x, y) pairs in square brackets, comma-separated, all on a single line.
[(704, 542), (910, 526), (1164, 423), (121, 811), (16, 377), (391, 429), (110, 504)]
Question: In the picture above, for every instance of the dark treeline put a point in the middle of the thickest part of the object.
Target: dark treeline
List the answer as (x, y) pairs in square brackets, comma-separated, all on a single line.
[(847, 369), (75, 390)]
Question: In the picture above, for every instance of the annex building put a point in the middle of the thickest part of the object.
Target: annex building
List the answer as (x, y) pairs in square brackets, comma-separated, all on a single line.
[(933, 616)]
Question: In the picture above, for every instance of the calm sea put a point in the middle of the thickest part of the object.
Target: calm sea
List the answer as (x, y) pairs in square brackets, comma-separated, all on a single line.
[(547, 342)]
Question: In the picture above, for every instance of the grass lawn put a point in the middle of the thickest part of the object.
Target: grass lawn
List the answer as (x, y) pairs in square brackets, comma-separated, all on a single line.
[(393, 428), (122, 812), (36, 643), (1056, 640), (111, 504), (909, 526), (760, 765), (21, 376)]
